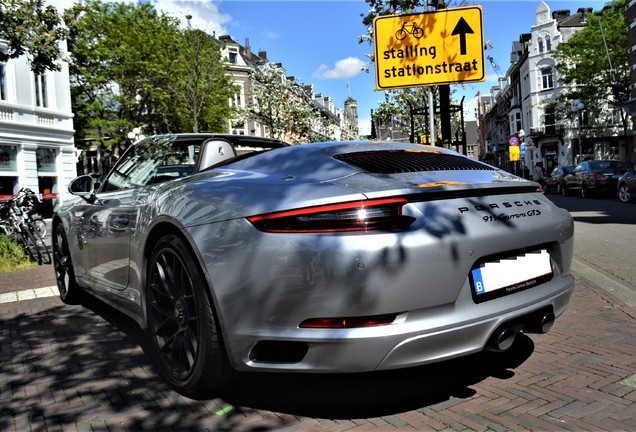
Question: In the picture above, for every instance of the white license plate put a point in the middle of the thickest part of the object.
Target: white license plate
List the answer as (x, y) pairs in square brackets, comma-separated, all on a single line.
[(501, 277)]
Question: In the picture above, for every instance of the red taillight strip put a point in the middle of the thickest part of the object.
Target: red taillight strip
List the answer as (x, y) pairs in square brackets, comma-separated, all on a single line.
[(291, 221), (328, 208), (349, 322)]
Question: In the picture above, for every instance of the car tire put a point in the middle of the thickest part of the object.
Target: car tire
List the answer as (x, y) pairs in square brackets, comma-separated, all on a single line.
[(585, 193), (182, 326), (70, 292), (623, 193)]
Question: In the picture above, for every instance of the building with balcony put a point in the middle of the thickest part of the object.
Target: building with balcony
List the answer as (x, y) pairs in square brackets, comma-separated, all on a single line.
[(525, 103), (331, 123), (36, 131)]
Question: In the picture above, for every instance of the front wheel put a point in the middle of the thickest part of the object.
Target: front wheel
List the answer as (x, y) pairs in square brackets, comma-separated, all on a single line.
[(624, 193), (181, 322), (70, 292)]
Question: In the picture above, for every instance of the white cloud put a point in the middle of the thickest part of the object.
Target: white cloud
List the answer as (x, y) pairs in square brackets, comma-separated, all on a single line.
[(205, 14), (343, 69)]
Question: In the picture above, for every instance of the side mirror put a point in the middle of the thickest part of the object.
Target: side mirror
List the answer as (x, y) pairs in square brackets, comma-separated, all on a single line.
[(82, 186)]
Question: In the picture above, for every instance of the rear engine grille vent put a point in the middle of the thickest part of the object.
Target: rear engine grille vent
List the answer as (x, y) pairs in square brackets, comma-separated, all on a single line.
[(394, 162)]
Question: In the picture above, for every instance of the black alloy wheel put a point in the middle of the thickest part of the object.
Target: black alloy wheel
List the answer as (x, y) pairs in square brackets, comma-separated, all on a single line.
[(181, 322), (70, 292)]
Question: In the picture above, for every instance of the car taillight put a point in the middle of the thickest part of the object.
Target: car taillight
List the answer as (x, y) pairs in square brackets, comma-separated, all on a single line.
[(349, 322), (599, 177), (367, 215)]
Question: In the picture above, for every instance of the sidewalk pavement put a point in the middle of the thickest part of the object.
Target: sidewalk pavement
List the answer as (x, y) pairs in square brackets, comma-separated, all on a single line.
[(76, 368)]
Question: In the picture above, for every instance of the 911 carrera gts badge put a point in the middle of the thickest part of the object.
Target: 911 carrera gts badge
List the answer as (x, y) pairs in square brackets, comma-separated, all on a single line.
[(489, 207)]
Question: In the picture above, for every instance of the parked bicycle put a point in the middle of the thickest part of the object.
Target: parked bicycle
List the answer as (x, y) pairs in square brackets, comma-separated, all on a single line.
[(22, 230), (31, 206)]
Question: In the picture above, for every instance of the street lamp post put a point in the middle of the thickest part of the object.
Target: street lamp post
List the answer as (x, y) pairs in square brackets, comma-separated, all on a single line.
[(577, 107)]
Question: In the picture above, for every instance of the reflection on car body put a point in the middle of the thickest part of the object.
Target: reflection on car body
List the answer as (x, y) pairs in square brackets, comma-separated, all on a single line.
[(324, 257)]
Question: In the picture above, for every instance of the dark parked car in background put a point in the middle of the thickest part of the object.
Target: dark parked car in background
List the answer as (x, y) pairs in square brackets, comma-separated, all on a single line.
[(594, 177), (627, 186), (554, 181)]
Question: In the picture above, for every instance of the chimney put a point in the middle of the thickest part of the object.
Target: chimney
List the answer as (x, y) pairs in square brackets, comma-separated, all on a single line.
[(263, 55), (560, 15), (248, 49)]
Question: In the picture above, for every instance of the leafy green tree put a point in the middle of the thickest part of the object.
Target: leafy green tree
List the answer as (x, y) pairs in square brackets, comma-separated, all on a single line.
[(30, 29), (132, 66), (280, 105), (201, 89), (584, 67), (120, 61)]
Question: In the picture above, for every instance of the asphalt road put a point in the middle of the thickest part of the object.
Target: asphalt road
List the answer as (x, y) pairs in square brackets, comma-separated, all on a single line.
[(604, 234)]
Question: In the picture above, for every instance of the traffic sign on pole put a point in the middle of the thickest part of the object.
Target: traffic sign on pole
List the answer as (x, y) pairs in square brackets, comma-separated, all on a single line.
[(431, 48)]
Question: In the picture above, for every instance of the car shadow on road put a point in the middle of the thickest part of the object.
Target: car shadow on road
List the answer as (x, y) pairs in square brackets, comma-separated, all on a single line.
[(361, 395), (375, 394), (68, 364)]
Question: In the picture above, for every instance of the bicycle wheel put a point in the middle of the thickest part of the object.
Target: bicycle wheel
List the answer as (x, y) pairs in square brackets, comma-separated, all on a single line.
[(39, 240), (31, 245), (400, 34), (40, 227), (418, 32)]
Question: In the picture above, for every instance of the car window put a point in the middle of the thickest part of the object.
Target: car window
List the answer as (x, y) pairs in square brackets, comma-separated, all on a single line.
[(152, 160)]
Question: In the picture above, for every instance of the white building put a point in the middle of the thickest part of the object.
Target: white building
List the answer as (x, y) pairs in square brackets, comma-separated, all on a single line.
[(36, 131), (540, 87)]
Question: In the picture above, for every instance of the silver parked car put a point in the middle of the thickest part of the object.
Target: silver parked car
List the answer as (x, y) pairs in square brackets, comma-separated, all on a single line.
[(239, 253)]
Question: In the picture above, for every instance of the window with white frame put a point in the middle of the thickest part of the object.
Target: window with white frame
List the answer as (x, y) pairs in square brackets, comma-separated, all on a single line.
[(548, 44), (515, 121), (547, 78), (540, 44), (238, 99), (232, 54), (41, 93)]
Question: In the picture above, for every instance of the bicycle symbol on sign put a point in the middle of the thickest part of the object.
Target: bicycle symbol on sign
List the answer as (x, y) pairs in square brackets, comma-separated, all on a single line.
[(410, 29)]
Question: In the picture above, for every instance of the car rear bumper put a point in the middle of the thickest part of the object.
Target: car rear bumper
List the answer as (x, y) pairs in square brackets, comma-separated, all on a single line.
[(420, 337)]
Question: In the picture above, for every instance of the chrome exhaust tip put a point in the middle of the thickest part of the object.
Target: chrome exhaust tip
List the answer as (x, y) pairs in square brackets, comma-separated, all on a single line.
[(502, 340)]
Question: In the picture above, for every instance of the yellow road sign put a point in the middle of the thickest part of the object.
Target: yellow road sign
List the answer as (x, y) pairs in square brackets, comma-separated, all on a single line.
[(432, 48)]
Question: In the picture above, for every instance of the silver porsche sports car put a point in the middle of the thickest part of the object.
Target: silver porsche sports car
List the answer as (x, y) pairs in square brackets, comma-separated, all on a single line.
[(244, 253)]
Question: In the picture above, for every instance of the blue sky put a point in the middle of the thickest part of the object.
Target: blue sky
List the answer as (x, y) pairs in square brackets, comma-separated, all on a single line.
[(317, 41)]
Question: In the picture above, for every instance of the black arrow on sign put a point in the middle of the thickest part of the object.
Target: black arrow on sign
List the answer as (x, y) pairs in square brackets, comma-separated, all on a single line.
[(461, 29)]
